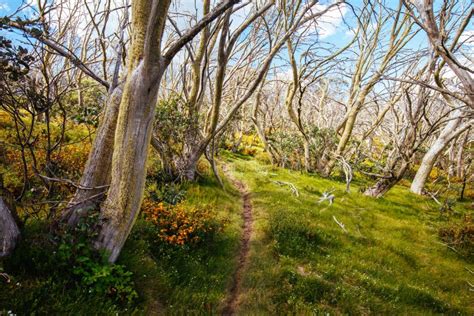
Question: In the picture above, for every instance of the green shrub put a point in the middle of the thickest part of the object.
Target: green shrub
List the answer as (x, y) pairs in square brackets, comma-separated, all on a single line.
[(64, 268), (460, 236)]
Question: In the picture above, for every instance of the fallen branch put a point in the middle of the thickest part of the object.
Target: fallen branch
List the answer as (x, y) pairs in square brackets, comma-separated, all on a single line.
[(67, 181), (293, 189), (449, 247), (343, 227), (327, 195), (471, 286), (6, 277), (433, 197)]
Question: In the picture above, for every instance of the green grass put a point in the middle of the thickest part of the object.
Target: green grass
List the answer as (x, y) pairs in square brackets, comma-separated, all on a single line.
[(169, 279), (390, 261), (183, 280)]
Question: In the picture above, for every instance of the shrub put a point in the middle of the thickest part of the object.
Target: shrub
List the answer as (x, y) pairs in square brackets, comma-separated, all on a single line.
[(77, 256), (178, 226), (263, 157), (66, 265), (460, 236), (167, 193)]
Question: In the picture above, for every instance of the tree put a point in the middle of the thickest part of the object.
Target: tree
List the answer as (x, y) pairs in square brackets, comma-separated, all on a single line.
[(361, 83), (436, 29)]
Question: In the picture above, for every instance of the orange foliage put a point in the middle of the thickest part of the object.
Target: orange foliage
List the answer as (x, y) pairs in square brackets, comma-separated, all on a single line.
[(177, 225)]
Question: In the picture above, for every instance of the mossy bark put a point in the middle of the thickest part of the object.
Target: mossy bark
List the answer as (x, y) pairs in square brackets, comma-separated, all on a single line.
[(134, 126), (96, 176)]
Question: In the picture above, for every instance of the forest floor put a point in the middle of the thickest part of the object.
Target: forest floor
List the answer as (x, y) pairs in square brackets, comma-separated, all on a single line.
[(235, 288), (387, 257), (278, 250)]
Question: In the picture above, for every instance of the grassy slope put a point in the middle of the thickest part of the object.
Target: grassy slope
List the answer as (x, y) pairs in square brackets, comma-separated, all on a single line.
[(389, 261), (189, 280)]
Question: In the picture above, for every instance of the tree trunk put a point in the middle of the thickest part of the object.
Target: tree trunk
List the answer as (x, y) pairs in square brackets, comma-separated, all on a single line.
[(307, 156), (459, 160), (384, 185), (450, 131), (451, 159), (132, 137), (9, 231), (348, 127), (381, 187), (96, 176)]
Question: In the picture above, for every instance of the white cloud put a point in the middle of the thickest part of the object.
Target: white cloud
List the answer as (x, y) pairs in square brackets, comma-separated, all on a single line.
[(467, 38), (328, 24), (4, 7)]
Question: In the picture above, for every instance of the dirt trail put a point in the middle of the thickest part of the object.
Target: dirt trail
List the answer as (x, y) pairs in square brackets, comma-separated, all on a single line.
[(232, 300)]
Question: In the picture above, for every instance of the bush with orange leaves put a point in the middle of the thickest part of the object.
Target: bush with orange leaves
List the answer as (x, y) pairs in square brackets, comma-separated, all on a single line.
[(177, 225)]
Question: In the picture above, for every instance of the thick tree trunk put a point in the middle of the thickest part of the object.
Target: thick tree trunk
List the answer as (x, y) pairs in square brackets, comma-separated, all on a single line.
[(426, 166), (96, 176), (450, 131), (9, 231), (187, 165), (132, 137), (384, 185), (381, 187)]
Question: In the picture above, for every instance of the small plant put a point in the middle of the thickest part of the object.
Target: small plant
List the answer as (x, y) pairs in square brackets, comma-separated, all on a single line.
[(460, 236), (176, 225), (167, 193), (76, 255)]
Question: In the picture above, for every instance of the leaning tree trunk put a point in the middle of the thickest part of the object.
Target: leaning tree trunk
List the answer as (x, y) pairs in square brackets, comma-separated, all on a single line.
[(346, 135), (132, 137), (9, 231), (96, 176), (450, 131), (384, 185)]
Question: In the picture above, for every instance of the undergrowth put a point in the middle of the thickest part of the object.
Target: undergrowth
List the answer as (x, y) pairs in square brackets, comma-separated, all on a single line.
[(390, 257)]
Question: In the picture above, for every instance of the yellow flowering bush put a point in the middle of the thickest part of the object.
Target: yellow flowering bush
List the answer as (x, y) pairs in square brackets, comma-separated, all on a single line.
[(177, 225)]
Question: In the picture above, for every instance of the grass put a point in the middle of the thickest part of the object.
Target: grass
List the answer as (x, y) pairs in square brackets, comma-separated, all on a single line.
[(390, 261), (169, 279), (179, 280)]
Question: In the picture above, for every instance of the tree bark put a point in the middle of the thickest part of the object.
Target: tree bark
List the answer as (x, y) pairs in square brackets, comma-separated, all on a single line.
[(9, 230), (450, 131), (132, 137), (459, 156), (384, 185), (96, 176)]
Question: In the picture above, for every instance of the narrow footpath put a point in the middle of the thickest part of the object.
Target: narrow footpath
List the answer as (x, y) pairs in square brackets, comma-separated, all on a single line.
[(232, 300)]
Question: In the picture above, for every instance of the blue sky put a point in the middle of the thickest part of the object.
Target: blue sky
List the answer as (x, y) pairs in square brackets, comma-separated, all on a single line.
[(331, 28)]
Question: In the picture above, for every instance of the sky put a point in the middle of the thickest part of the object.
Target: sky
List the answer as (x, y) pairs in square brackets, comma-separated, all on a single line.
[(332, 27), (329, 27)]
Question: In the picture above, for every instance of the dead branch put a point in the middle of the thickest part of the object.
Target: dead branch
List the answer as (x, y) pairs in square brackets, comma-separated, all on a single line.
[(343, 227), (293, 189)]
